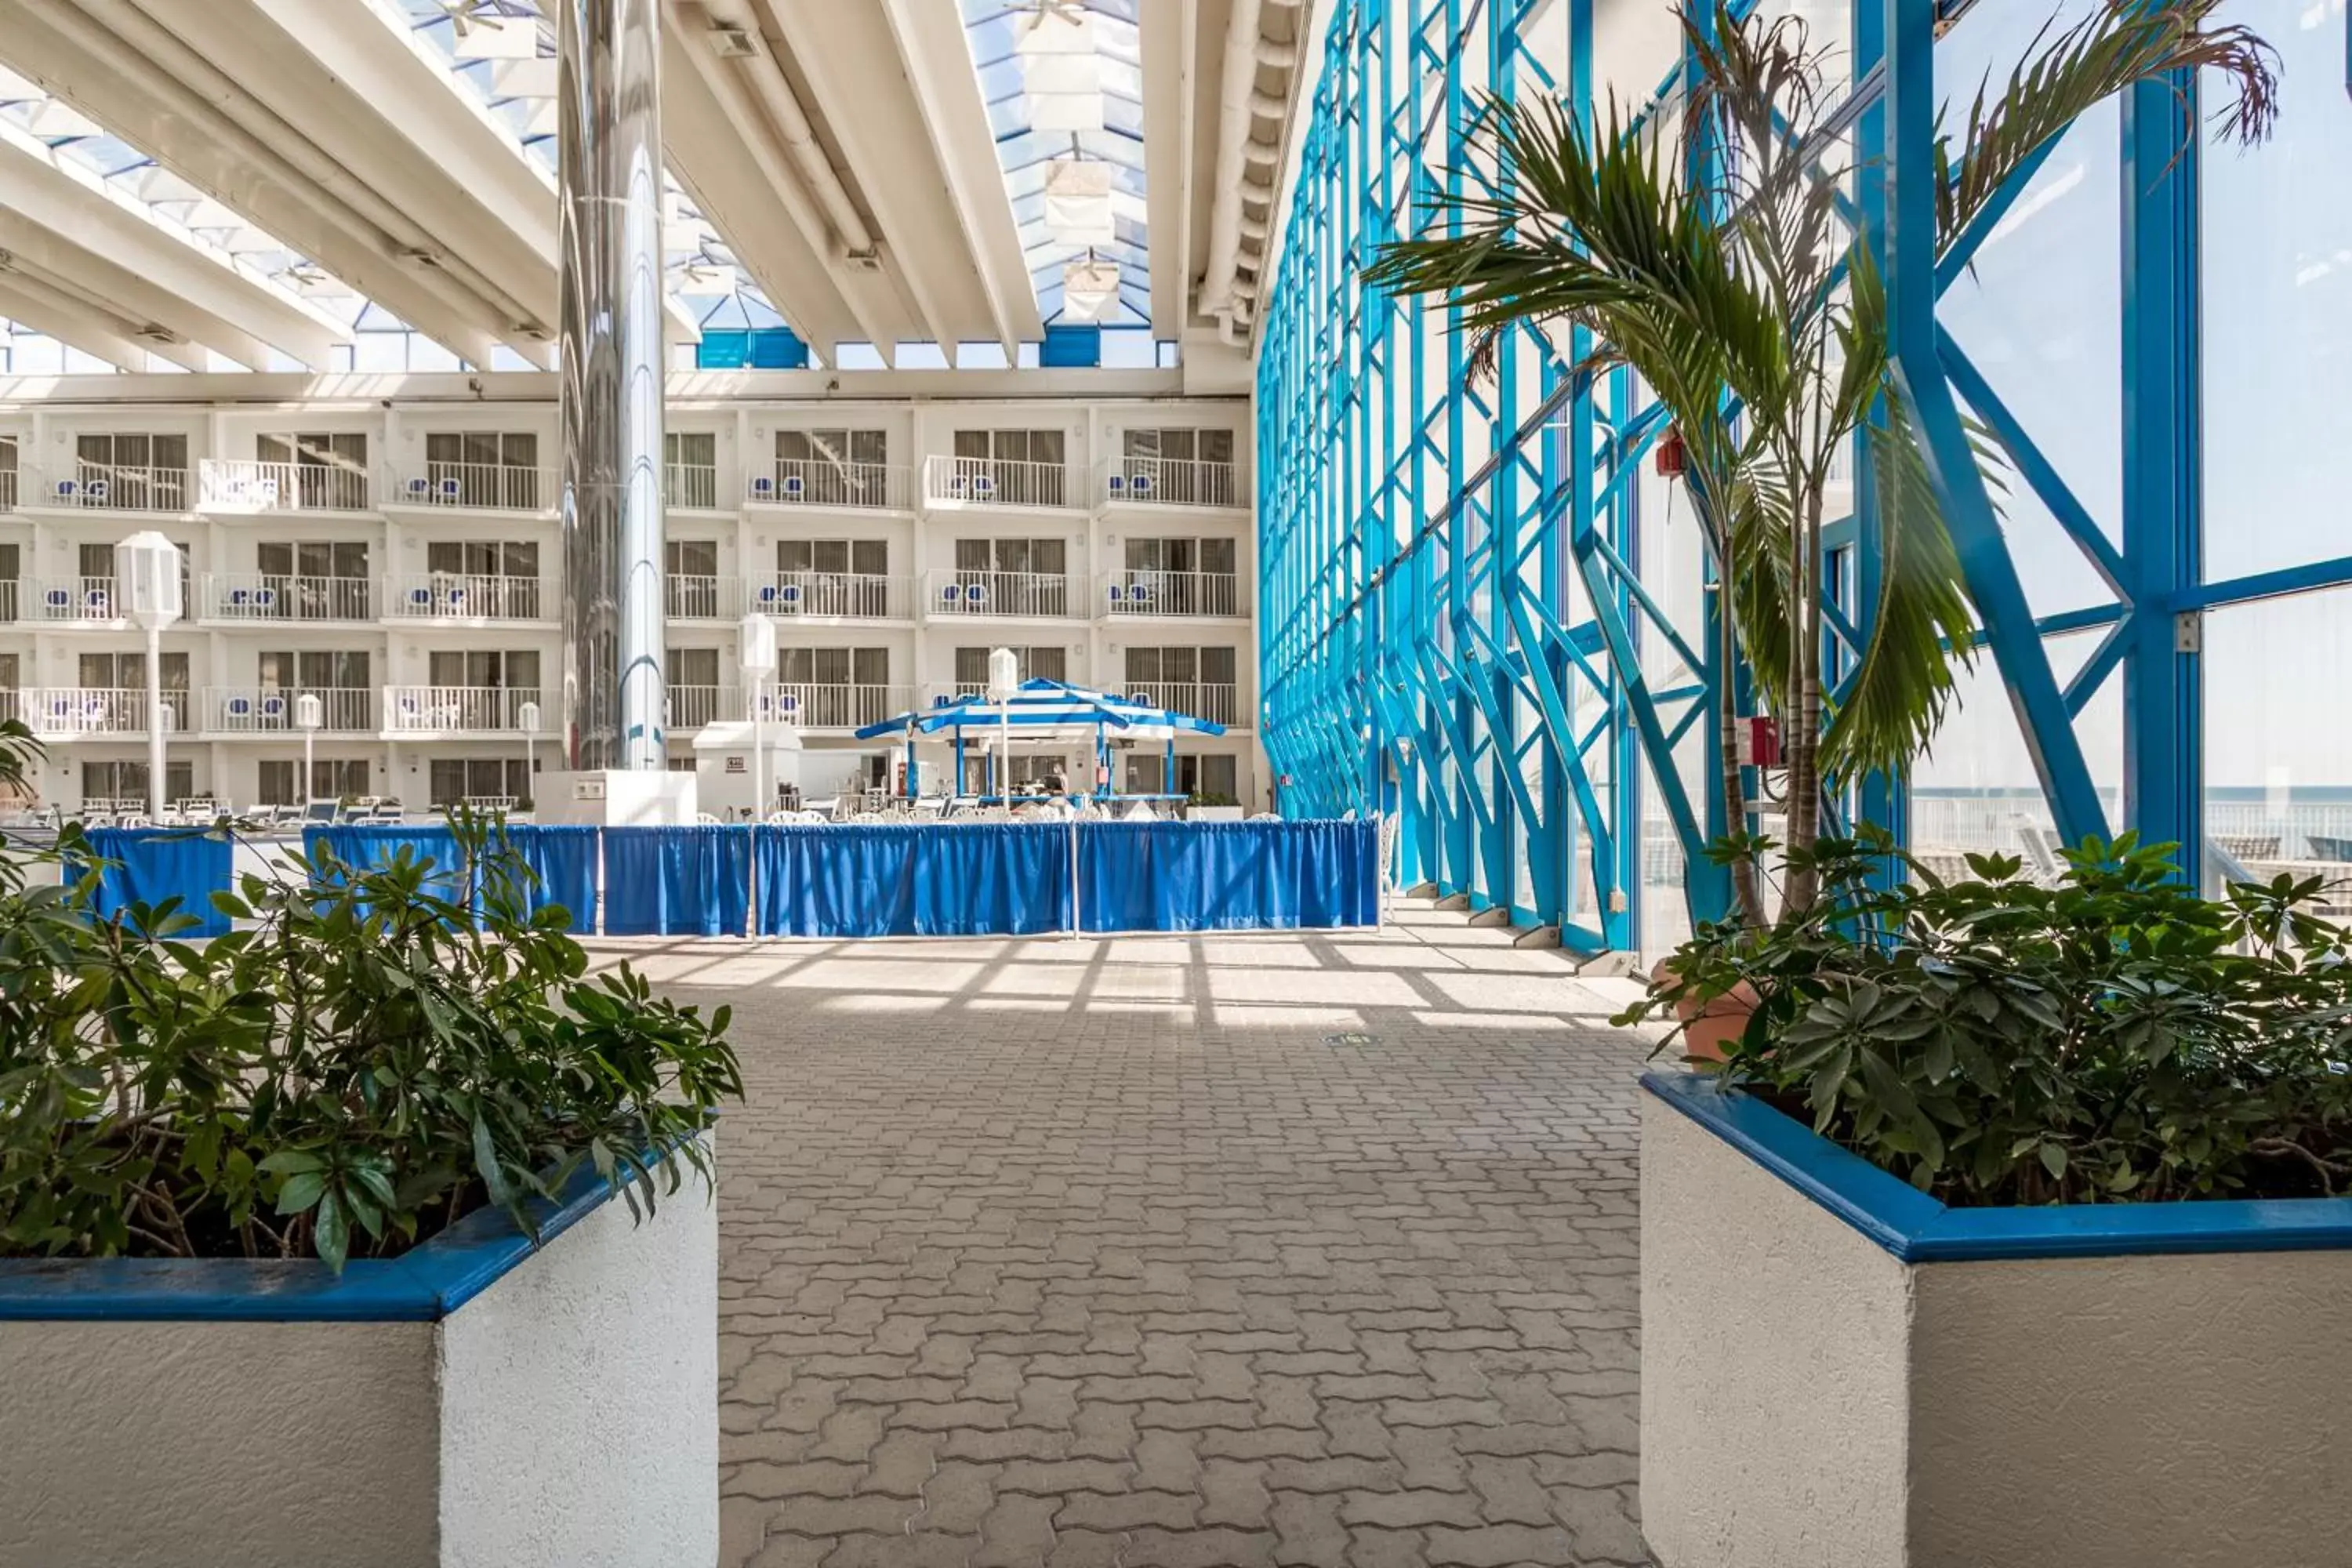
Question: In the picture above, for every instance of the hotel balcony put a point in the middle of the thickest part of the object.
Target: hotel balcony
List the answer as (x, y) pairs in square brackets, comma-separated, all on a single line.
[(814, 706), (240, 485), (73, 599), (276, 710), (66, 712), (1174, 593), (1001, 482), (693, 597), (690, 487), (816, 482), (426, 711), (1171, 481), (817, 595), (479, 487), (278, 599), (1006, 594), (1218, 702), (117, 487), (426, 596)]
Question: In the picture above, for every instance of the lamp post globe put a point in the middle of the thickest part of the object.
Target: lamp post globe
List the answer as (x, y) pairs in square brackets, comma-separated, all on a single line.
[(309, 715), (147, 579), (755, 652), (528, 717)]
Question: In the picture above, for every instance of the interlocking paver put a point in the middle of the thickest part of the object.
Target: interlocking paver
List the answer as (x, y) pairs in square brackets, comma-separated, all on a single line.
[(1046, 1254)]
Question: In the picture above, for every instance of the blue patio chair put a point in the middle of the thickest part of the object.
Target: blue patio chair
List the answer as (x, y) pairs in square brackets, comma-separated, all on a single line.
[(420, 490), (57, 599), (67, 490), (983, 485), (1140, 486), (763, 488), (95, 602), (239, 707), (951, 592), (790, 594), (1117, 486), (794, 486), (1140, 593), (95, 492), (451, 490), (1118, 595), (264, 598), (239, 598)]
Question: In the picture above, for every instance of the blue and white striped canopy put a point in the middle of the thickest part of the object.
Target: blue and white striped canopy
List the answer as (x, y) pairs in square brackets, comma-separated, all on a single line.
[(1046, 709)]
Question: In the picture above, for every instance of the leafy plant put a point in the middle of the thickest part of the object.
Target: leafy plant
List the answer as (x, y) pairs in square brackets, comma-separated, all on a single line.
[(1733, 285), (1211, 797), (368, 1064), (2115, 1037)]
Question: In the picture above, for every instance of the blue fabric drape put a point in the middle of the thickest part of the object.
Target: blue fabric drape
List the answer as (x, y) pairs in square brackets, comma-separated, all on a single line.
[(1228, 876), (997, 879), (148, 865), (373, 848), (563, 861), (677, 881)]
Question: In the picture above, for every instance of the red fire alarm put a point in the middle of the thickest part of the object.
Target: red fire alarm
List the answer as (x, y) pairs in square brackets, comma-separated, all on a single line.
[(1760, 742), (1674, 456)]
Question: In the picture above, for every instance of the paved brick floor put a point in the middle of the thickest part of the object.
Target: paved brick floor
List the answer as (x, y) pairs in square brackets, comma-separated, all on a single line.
[(1221, 1251)]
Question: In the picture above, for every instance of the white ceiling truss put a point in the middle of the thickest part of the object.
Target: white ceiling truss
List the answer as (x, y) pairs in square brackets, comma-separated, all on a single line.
[(217, 183)]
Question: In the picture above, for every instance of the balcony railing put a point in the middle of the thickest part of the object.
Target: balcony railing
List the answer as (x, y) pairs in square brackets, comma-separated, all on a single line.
[(461, 596), (1171, 481), (448, 709), (831, 707), (694, 486), (1218, 702), (7, 489), (820, 481), (962, 592), (480, 487), (9, 598), (998, 481), (700, 598), (274, 710), (272, 596), (58, 710), (1146, 593), (237, 485), (849, 593), (692, 707), (119, 486), (76, 599)]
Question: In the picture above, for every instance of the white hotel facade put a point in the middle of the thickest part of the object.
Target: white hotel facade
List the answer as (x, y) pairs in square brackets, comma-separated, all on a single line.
[(390, 543)]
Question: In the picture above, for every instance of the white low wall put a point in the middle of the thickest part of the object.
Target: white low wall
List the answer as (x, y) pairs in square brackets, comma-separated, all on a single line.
[(1810, 1401), (565, 1417)]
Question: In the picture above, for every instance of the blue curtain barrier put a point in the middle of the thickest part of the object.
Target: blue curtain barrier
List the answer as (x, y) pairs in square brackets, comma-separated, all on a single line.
[(565, 861), (148, 865), (993, 879), (677, 881), (1228, 876), (373, 848)]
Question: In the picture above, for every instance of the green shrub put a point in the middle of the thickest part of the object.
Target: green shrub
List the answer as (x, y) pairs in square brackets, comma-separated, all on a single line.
[(2115, 1037), (346, 1080)]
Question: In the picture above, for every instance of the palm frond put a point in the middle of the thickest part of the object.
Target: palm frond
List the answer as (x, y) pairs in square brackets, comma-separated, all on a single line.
[(2124, 43)]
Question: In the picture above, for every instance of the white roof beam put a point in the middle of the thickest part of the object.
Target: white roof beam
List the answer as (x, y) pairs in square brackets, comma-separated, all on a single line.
[(199, 292), (79, 324), (930, 34), (1167, 34)]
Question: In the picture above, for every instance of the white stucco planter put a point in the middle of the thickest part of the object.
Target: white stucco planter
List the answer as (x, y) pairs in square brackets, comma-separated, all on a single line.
[(1213, 814), (1838, 1371), (475, 1402)]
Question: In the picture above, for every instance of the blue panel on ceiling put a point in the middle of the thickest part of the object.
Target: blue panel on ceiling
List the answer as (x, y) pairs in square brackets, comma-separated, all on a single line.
[(722, 350), (778, 348), (1069, 347)]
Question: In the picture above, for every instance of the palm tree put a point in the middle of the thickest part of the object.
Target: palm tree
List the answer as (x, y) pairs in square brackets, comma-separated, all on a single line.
[(1757, 316)]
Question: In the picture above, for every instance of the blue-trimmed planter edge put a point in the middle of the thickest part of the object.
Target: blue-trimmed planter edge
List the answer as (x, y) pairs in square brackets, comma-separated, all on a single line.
[(1917, 1228), (424, 1285)]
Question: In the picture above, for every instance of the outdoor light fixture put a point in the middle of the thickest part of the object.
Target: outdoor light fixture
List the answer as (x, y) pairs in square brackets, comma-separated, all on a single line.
[(755, 649), (147, 572), (1089, 292), (310, 713), (528, 717), (1078, 202)]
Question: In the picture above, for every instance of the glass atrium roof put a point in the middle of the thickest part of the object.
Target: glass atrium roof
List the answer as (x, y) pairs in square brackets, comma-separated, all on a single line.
[(1063, 81)]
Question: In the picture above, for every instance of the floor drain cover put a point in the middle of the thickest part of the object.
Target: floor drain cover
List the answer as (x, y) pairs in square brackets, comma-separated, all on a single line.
[(1351, 1039)]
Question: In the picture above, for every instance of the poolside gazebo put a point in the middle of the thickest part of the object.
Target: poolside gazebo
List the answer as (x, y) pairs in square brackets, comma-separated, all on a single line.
[(1040, 713)]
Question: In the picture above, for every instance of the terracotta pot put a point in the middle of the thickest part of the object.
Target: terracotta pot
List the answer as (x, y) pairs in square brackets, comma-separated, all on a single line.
[(1711, 1026)]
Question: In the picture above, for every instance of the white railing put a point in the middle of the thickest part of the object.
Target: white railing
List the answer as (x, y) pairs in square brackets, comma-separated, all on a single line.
[(54, 711), (999, 481), (1171, 481), (694, 486), (240, 485), (274, 596), (462, 597), (272, 709), (820, 481), (692, 597), (998, 594), (692, 707), (828, 707), (852, 594), (119, 486), (1145, 593), (8, 598), (482, 487), (444, 710), (1218, 702), (7, 489), (76, 599)]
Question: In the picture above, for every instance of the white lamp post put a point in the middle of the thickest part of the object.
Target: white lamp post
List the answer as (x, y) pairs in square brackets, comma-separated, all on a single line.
[(147, 578), (310, 713), (528, 717), (756, 651), (1004, 680)]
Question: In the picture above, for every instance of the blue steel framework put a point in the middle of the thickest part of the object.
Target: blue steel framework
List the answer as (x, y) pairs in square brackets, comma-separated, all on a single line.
[(1466, 627)]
